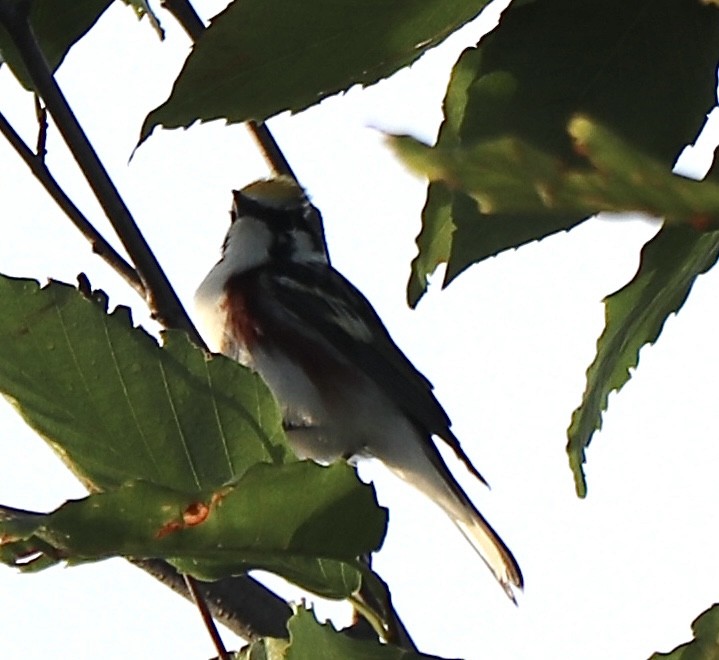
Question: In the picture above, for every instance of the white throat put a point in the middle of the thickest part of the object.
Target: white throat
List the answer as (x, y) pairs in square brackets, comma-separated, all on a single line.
[(247, 246)]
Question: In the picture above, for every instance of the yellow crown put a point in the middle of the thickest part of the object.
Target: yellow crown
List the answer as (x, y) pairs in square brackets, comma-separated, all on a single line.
[(279, 192)]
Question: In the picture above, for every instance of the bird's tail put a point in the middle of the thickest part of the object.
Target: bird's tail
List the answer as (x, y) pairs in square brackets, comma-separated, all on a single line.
[(426, 470), (491, 549)]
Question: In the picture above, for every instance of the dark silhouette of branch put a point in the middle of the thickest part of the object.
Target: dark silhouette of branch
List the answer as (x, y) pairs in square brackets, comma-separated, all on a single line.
[(243, 605), (160, 296), (199, 600), (37, 166)]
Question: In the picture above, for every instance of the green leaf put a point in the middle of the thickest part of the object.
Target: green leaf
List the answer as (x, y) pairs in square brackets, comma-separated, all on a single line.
[(510, 177), (260, 57), (635, 315), (548, 61), (310, 639), (56, 28), (613, 60), (454, 230), (117, 406), (299, 520), (705, 645), (434, 241)]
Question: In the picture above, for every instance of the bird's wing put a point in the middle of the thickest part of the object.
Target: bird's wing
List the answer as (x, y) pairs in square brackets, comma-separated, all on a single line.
[(332, 314)]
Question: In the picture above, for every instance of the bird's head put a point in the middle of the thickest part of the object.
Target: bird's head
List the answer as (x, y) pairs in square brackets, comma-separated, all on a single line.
[(273, 221)]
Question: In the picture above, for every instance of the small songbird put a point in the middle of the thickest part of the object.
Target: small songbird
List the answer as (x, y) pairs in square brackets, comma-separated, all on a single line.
[(274, 303)]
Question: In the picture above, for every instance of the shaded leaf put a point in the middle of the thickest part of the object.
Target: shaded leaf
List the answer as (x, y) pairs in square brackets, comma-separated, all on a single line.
[(635, 315), (297, 520), (117, 406), (614, 60), (622, 63), (56, 28), (260, 57), (480, 235), (311, 639), (705, 645)]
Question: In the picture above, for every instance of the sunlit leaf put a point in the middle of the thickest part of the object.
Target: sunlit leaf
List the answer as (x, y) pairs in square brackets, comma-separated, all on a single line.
[(297, 520), (321, 641), (509, 176), (117, 406)]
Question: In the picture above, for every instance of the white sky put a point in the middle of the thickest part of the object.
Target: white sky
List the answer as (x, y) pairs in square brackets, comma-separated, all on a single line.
[(619, 575)]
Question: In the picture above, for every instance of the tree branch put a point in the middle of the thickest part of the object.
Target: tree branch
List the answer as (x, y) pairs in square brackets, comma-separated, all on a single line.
[(160, 295), (37, 166), (243, 605), (199, 600)]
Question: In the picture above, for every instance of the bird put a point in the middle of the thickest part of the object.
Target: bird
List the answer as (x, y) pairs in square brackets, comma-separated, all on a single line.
[(275, 304)]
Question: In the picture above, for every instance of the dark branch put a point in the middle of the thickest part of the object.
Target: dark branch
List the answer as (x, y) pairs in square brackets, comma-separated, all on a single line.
[(160, 295), (41, 114), (242, 604), (199, 600), (37, 166)]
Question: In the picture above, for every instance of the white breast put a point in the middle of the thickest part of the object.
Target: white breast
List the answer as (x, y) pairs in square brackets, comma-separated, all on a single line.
[(246, 246)]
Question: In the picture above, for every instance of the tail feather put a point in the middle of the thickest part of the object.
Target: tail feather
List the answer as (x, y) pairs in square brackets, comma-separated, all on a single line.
[(440, 485), (495, 554), (418, 462)]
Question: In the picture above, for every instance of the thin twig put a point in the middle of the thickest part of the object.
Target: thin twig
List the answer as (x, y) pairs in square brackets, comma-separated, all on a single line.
[(222, 653), (41, 115), (160, 296), (99, 245), (241, 604)]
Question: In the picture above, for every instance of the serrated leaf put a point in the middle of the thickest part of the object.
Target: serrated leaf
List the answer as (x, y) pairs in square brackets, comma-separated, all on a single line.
[(298, 520), (635, 315), (117, 406), (615, 61), (321, 641), (434, 241), (56, 28), (260, 57), (705, 645), (478, 235)]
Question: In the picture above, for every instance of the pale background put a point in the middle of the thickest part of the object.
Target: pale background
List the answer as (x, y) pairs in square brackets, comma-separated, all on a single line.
[(619, 575)]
